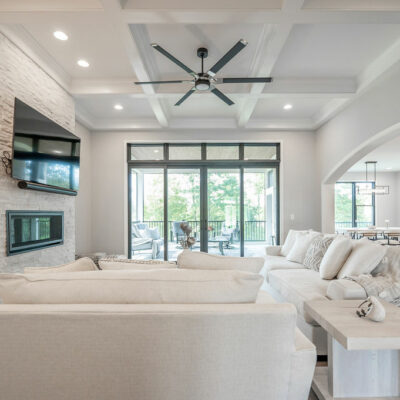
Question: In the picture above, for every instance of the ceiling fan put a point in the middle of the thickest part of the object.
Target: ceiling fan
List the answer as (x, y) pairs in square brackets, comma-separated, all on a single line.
[(206, 81)]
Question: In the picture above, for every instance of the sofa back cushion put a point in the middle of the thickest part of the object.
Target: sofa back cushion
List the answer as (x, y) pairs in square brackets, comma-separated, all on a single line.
[(316, 252), (82, 264), (131, 264), (170, 286), (289, 242), (335, 257), (364, 257), (301, 245), (197, 260)]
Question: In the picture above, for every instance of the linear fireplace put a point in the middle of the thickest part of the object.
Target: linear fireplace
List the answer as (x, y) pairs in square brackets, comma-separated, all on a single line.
[(33, 230)]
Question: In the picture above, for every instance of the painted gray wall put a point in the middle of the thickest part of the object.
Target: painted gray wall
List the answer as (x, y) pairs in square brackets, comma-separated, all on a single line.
[(299, 184)]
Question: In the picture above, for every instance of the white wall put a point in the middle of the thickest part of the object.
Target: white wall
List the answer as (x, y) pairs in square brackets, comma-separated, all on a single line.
[(83, 214), (299, 185), (386, 206), (368, 122), (23, 78)]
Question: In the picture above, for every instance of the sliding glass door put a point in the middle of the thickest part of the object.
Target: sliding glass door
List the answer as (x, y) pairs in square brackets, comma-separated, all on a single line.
[(227, 194), (223, 205), (183, 205)]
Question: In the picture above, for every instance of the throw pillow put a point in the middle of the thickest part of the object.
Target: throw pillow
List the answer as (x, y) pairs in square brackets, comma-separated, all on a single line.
[(335, 257), (125, 263), (301, 245), (365, 256), (199, 260), (289, 242), (316, 252), (167, 286), (82, 264)]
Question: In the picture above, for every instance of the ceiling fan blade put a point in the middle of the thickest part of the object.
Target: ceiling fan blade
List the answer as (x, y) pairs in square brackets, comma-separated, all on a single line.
[(158, 82), (241, 44), (182, 99), (246, 80), (173, 59), (225, 99)]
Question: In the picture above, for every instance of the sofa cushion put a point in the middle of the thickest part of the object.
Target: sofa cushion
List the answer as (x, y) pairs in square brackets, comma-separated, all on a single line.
[(301, 245), (278, 262), (170, 286), (82, 264), (316, 252), (131, 264), (335, 257), (198, 260), (297, 286), (289, 242), (364, 257), (345, 289)]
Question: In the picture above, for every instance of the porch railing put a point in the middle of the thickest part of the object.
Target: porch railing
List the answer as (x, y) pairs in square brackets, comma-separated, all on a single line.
[(253, 230), (349, 224)]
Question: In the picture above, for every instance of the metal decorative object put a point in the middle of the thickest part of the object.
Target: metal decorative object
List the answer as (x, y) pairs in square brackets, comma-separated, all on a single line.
[(189, 240), (372, 309), (6, 160)]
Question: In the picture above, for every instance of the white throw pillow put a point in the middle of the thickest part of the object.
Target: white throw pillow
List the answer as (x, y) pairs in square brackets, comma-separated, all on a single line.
[(199, 260), (364, 257), (301, 245), (335, 257), (165, 286), (131, 264), (82, 264), (289, 242)]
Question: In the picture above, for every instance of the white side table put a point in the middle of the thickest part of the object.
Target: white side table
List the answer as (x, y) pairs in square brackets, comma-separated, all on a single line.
[(363, 356)]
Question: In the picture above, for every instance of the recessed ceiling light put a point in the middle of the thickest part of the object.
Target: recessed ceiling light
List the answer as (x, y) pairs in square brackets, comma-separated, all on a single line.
[(388, 168), (156, 151), (118, 107), (83, 63), (57, 151), (287, 107), (60, 35)]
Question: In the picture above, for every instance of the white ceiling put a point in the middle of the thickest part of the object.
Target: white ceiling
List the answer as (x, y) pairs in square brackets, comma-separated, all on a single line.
[(387, 156), (321, 53)]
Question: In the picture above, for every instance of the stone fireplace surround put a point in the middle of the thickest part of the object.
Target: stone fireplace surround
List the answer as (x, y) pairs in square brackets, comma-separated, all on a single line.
[(21, 77)]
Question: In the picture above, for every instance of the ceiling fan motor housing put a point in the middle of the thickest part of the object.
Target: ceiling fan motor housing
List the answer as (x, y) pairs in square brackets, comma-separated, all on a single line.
[(202, 52), (203, 82)]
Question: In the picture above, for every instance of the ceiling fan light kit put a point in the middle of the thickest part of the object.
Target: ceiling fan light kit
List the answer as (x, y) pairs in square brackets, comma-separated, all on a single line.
[(206, 81)]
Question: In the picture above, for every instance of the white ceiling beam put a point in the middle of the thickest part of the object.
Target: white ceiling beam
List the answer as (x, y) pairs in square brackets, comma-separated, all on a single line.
[(268, 51), (267, 54), (113, 9), (185, 124), (260, 16), (315, 87)]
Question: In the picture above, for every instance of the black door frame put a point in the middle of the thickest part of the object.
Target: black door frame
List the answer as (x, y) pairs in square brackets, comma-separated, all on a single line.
[(203, 165)]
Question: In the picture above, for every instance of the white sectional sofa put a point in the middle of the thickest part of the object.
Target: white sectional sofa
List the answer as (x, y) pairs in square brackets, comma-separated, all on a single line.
[(92, 345), (292, 282)]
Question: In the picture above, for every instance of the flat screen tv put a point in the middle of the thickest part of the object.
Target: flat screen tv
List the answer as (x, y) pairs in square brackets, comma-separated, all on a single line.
[(44, 152)]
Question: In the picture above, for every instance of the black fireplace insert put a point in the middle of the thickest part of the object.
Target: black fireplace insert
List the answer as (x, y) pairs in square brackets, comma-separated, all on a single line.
[(33, 230)]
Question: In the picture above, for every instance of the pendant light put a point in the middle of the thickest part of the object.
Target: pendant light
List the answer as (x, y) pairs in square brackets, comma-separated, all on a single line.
[(370, 176)]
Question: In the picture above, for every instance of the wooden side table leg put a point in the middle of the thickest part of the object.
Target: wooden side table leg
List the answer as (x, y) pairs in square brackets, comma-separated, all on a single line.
[(362, 373)]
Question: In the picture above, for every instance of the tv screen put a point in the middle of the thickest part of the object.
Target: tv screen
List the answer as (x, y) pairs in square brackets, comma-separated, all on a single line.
[(44, 152)]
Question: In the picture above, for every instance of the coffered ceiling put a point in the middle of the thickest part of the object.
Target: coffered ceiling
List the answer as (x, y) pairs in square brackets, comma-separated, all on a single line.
[(322, 54)]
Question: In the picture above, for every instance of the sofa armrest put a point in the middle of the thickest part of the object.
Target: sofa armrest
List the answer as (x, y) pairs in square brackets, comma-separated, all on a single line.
[(273, 250), (345, 289), (302, 368)]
